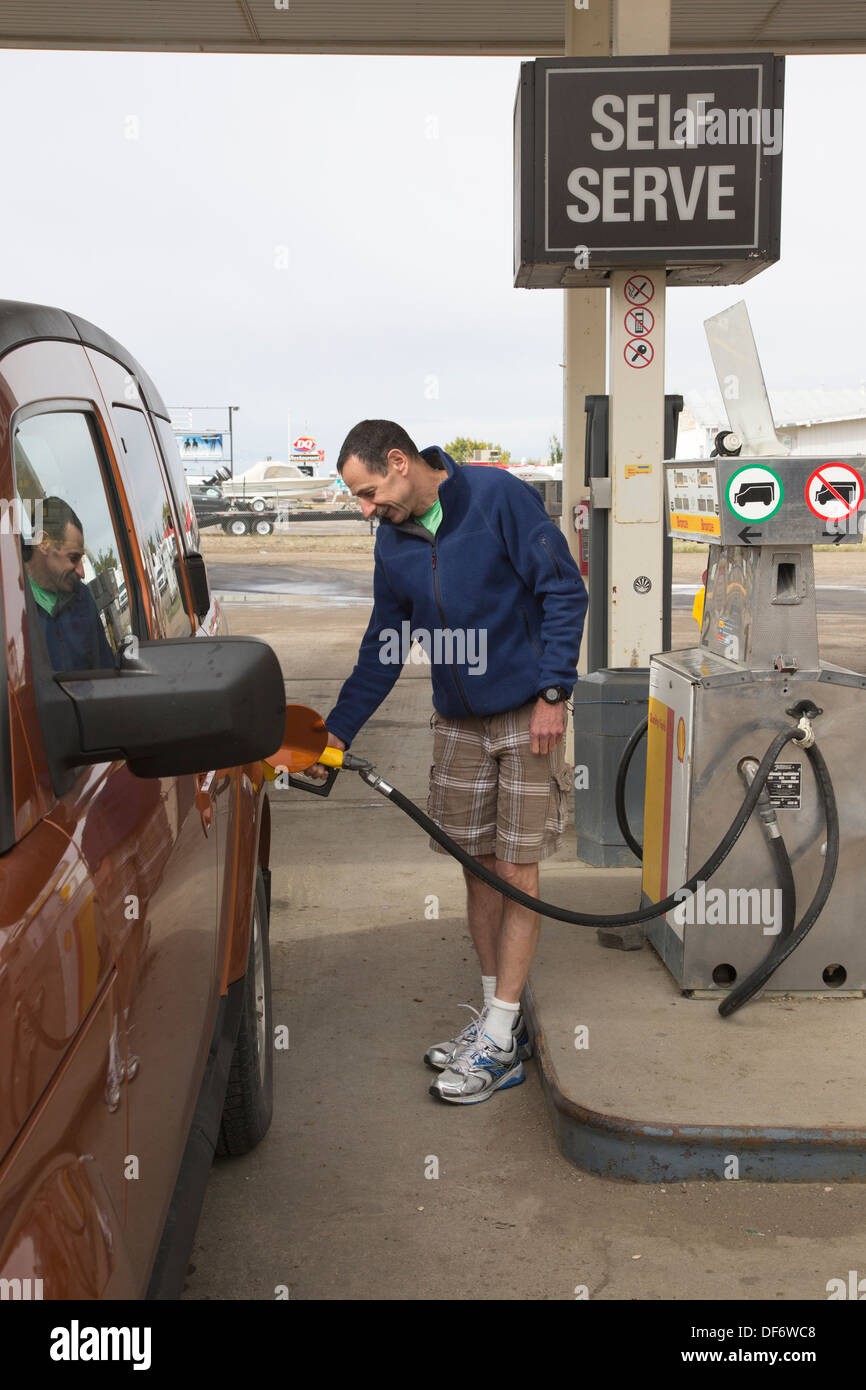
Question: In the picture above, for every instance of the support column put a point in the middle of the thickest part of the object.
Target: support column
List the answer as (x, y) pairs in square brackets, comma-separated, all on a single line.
[(587, 34), (637, 343), (637, 394)]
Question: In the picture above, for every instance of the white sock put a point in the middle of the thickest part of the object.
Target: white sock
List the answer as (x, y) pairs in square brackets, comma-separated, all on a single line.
[(497, 1024), (488, 985)]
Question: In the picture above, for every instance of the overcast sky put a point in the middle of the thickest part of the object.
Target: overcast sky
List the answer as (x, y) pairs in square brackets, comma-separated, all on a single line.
[(332, 236)]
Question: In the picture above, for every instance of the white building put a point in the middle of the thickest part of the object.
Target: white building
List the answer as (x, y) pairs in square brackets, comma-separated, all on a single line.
[(823, 420)]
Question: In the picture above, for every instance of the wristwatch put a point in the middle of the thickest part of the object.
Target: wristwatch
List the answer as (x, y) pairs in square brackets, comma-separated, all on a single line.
[(553, 694)]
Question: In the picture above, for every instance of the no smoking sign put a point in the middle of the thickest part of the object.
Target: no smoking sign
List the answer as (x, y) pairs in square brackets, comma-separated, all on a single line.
[(834, 491), (639, 289)]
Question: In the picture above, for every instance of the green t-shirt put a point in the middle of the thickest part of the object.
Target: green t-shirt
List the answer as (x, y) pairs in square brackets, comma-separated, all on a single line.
[(44, 597), (431, 517)]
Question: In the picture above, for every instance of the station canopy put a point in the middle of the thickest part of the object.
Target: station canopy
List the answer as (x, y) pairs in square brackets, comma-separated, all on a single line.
[(523, 28)]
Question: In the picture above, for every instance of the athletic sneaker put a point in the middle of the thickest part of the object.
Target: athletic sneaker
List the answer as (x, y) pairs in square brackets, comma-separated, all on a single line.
[(479, 1071), (441, 1055)]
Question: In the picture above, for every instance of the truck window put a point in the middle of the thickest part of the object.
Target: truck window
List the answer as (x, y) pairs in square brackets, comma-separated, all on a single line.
[(158, 538), (179, 484), (71, 554)]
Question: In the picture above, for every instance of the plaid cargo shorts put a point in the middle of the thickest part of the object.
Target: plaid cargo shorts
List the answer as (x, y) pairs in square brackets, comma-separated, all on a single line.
[(491, 794)]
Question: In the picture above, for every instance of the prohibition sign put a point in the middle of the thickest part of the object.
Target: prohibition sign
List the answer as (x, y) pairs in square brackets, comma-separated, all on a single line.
[(639, 321), (834, 491), (639, 289), (638, 352)]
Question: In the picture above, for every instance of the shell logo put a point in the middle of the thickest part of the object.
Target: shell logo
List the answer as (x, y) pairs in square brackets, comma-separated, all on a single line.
[(681, 739)]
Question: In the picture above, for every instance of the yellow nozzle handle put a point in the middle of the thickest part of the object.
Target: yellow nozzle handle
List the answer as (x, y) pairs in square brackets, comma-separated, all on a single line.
[(331, 757)]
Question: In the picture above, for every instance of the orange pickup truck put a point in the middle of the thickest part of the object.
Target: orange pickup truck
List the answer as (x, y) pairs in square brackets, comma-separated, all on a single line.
[(135, 1016)]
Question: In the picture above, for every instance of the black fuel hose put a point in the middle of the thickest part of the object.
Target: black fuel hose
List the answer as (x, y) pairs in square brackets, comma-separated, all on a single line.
[(585, 919), (619, 791), (778, 848), (785, 945), (785, 875)]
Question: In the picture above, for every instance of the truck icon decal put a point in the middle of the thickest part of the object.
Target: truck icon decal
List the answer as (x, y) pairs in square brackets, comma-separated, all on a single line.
[(763, 491), (845, 489)]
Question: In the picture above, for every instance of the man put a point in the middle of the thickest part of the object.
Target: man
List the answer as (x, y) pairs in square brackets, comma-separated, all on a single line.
[(468, 559), (54, 562)]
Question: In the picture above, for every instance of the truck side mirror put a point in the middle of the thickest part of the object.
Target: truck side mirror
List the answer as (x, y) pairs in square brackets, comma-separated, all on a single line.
[(197, 575)]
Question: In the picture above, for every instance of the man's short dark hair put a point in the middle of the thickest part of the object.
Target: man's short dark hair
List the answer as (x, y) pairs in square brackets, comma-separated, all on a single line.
[(371, 441), (56, 516)]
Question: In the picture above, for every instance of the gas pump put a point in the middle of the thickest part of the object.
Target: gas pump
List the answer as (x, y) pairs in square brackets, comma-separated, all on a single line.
[(715, 708)]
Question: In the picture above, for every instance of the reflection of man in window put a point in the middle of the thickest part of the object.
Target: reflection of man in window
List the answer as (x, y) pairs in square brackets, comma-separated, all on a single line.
[(54, 561)]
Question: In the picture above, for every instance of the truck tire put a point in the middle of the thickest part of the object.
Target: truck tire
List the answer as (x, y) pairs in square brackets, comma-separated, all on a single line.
[(238, 526), (263, 527), (249, 1100)]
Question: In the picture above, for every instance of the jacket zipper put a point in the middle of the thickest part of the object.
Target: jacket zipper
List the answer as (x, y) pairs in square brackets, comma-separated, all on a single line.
[(438, 595), (528, 632), (552, 556)]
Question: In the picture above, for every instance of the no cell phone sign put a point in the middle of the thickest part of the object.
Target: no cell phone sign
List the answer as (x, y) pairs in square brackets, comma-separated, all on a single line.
[(639, 321)]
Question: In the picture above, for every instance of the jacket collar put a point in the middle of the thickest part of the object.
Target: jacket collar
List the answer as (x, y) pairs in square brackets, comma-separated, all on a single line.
[(448, 491), (64, 601)]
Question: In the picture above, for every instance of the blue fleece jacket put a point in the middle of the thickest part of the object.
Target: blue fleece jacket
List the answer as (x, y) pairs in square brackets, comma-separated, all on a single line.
[(74, 633), (494, 598)]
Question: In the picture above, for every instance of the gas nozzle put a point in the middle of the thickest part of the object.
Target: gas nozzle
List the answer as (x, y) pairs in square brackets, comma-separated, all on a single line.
[(352, 763), (747, 768), (305, 743)]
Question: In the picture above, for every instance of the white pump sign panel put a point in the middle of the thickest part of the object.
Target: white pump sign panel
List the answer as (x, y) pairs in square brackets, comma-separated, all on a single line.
[(642, 161)]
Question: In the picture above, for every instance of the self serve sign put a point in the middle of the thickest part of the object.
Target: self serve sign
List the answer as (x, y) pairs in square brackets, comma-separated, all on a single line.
[(672, 160)]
